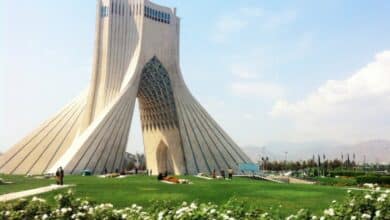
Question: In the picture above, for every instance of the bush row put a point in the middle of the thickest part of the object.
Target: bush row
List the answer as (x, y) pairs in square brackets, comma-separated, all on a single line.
[(335, 181), (382, 180), (346, 173)]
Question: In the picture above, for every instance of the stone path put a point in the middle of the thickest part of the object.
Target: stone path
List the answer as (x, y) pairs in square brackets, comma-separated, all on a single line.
[(167, 182), (31, 192), (300, 181), (260, 177), (204, 177), (383, 190)]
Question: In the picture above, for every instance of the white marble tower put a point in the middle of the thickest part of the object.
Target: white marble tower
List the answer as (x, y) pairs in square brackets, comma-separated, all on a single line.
[(136, 56)]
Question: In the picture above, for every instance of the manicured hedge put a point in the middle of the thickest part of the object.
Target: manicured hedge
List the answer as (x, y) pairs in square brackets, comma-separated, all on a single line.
[(335, 181), (382, 180), (346, 173)]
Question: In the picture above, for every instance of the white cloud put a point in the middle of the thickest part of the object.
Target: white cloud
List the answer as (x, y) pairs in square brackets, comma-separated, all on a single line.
[(355, 108), (234, 22), (249, 78), (226, 25), (302, 48), (258, 89), (243, 71), (251, 12), (277, 19), (249, 116), (229, 24)]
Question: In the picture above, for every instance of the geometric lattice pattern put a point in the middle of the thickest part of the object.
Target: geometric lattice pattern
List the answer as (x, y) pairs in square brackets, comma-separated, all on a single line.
[(156, 100)]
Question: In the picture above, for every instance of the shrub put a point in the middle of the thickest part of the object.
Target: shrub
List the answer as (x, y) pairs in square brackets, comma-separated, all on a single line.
[(335, 181), (382, 180), (346, 173)]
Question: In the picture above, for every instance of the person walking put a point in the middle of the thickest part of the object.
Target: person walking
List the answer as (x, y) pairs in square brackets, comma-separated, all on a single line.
[(61, 176), (223, 174), (230, 172), (58, 176)]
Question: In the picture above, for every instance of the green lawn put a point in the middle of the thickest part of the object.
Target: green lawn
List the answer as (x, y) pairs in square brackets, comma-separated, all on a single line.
[(143, 190), (21, 183)]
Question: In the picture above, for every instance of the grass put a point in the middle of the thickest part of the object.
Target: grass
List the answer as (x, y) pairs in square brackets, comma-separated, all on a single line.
[(21, 183), (143, 190)]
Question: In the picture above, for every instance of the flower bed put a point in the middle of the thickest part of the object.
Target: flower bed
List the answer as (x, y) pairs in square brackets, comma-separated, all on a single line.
[(171, 179), (371, 204), (175, 180)]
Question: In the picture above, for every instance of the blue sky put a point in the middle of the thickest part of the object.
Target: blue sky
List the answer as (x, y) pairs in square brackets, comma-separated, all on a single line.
[(268, 71)]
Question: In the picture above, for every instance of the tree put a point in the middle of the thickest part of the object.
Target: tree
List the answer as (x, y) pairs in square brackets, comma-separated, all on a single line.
[(140, 161), (136, 161)]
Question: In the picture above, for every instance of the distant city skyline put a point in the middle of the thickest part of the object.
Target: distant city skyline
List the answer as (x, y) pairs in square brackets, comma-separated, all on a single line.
[(278, 71)]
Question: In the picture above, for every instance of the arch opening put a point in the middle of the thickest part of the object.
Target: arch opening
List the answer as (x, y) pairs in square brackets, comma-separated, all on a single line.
[(164, 161), (155, 97), (159, 119)]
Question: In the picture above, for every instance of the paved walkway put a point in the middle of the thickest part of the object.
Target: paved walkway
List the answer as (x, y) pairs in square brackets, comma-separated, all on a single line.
[(367, 189), (300, 181), (204, 177), (267, 178), (31, 192)]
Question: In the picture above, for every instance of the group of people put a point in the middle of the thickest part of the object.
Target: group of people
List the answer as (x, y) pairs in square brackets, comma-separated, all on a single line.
[(223, 174), (160, 176), (60, 176)]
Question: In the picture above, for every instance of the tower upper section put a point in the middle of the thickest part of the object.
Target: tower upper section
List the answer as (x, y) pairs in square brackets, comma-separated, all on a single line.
[(128, 34), (136, 8)]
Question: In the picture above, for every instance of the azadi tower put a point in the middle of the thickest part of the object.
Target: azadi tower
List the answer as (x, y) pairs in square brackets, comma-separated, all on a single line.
[(136, 56)]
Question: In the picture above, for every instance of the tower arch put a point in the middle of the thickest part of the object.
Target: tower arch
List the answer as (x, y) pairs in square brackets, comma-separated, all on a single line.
[(159, 119)]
